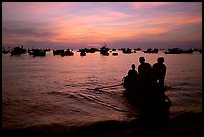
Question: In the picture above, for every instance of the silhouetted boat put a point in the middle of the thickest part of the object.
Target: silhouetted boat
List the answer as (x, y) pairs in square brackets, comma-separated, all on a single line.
[(104, 51), (37, 52), (63, 53), (178, 51), (17, 51), (151, 101), (5, 51), (82, 53), (67, 53), (91, 50), (115, 54), (58, 52), (137, 49), (190, 51), (127, 51), (46, 49), (150, 50), (173, 51)]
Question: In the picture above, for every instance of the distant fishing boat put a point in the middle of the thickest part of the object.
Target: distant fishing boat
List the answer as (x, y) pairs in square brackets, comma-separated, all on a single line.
[(187, 51), (37, 52), (173, 51), (137, 49), (178, 51), (115, 54), (104, 51), (82, 53), (63, 53), (91, 50), (17, 51), (67, 53), (5, 51), (127, 51), (150, 50)]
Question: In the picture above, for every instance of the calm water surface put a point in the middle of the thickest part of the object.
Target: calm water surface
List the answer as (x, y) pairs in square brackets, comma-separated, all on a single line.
[(53, 89)]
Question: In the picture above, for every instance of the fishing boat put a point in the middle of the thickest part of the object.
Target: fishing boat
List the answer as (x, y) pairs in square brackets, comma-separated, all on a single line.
[(150, 50), (36, 52), (173, 51), (189, 51), (137, 49), (138, 96), (58, 52), (5, 51), (104, 51), (17, 51), (67, 53), (82, 53), (115, 54), (127, 51)]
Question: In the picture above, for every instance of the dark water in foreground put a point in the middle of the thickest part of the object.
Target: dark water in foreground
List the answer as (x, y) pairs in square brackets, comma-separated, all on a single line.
[(53, 89)]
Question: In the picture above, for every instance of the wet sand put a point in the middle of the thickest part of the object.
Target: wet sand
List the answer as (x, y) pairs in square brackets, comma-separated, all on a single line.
[(185, 124)]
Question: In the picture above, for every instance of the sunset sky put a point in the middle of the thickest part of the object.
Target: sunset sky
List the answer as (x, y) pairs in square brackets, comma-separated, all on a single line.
[(118, 24)]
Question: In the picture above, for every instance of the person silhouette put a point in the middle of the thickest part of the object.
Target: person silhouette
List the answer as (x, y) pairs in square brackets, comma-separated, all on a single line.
[(132, 72), (145, 74), (132, 78), (159, 72)]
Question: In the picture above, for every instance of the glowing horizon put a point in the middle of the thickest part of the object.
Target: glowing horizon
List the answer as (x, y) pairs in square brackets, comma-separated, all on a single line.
[(120, 24)]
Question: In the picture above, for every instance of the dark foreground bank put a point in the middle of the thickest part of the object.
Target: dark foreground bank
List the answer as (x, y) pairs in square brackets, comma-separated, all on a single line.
[(185, 124)]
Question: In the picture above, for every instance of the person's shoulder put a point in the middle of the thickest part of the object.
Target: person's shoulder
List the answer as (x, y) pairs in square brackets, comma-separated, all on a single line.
[(130, 71), (164, 66), (147, 64), (155, 64), (139, 67), (135, 71)]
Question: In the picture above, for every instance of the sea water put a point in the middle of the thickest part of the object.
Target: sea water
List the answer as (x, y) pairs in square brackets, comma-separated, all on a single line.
[(50, 90)]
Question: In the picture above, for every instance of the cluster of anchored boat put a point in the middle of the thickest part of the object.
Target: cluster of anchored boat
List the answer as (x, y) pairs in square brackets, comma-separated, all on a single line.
[(173, 51), (104, 50), (18, 50)]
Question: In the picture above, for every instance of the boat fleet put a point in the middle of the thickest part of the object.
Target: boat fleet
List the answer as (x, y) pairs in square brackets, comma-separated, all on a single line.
[(104, 50)]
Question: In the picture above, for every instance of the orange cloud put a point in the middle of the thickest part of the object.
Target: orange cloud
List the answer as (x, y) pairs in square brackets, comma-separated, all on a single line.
[(80, 29), (63, 22)]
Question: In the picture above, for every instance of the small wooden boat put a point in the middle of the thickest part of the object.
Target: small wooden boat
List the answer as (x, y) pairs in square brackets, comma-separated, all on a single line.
[(138, 95), (151, 50), (18, 51), (104, 51), (115, 54), (173, 51), (82, 53), (127, 51)]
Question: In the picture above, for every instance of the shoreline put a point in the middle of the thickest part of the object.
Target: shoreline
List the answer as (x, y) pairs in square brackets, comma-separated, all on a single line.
[(188, 123)]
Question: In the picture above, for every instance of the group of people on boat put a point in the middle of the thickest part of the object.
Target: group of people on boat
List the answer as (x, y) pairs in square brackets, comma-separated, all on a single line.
[(145, 89), (147, 77)]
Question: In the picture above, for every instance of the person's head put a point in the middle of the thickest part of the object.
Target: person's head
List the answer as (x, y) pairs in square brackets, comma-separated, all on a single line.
[(133, 66), (160, 60), (142, 59)]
